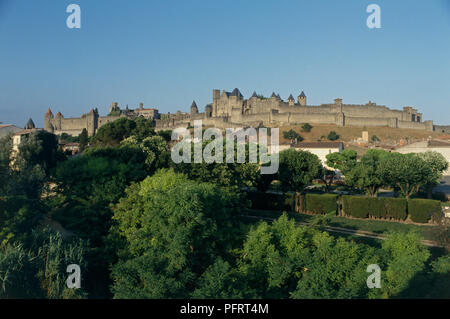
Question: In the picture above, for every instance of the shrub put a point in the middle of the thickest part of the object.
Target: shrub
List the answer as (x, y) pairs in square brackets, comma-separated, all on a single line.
[(333, 136), (266, 201), (395, 208), (356, 206), (386, 208), (422, 210), (289, 202), (306, 127), (321, 204), (292, 135)]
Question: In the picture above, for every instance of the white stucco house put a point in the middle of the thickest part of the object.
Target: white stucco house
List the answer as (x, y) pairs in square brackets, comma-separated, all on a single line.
[(321, 149), (439, 146)]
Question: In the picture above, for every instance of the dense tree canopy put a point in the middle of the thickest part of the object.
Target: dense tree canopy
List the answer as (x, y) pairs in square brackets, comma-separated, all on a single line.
[(89, 183), (221, 172), (292, 135), (438, 164), (343, 161), (407, 172), (173, 229), (297, 169), (366, 174), (114, 132)]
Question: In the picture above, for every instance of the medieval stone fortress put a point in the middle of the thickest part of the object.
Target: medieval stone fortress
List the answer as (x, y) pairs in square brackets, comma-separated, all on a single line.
[(231, 109)]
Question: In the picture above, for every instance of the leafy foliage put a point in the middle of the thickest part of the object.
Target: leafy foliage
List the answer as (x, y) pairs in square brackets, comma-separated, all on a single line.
[(344, 161), (297, 169), (422, 210), (221, 172), (366, 174), (333, 136), (89, 183), (39, 271), (306, 127), (292, 135), (407, 172), (321, 203), (111, 134), (173, 230)]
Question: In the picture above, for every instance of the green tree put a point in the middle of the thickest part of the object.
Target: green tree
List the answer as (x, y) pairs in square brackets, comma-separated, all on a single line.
[(38, 269), (39, 148), (111, 134), (306, 127), (17, 273), (233, 174), (155, 148), (366, 174), (333, 136), (283, 260), (407, 172), (343, 161), (404, 257), (297, 169), (438, 164), (219, 281), (83, 138), (292, 135), (173, 229), (88, 184)]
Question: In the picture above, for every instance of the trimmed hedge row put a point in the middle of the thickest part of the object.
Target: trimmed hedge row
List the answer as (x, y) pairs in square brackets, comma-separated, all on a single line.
[(270, 201), (418, 210), (383, 208), (321, 204), (422, 210)]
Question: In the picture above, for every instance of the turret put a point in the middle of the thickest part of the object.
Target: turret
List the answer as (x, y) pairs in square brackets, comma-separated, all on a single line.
[(49, 113), (30, 125), (48, 121), (194, 108), (302, 99), (291, 100), (208, 110)]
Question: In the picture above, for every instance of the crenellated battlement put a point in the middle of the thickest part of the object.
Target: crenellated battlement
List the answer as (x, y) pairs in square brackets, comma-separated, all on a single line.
[(231, 108)]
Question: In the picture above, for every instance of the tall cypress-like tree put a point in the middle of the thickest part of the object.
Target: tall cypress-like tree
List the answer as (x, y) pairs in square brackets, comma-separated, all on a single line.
[(83, 139)]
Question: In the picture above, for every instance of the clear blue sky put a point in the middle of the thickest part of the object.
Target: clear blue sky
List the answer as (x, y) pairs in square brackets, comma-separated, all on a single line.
[(168, 53)]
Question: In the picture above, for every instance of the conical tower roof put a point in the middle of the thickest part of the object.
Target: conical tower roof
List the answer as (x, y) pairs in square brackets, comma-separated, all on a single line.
[(30, 125)]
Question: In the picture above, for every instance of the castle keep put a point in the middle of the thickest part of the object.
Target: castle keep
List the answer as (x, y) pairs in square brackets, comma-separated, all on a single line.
[(230, 109)]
